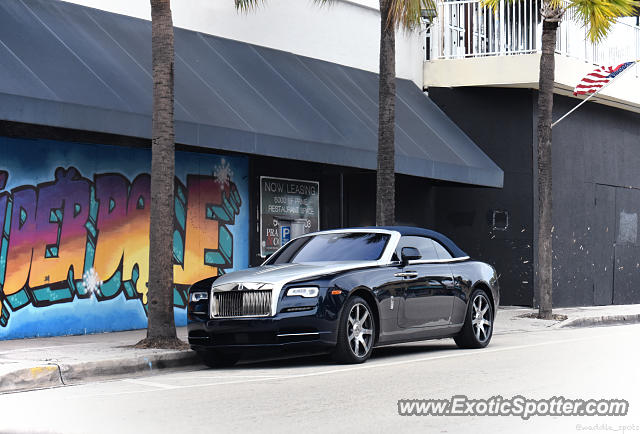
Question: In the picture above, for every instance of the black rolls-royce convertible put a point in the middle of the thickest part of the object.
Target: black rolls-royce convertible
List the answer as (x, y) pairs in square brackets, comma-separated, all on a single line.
[(346, 291)]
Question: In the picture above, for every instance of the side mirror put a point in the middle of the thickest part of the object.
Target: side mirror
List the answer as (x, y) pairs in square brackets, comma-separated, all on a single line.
[(409, 254)]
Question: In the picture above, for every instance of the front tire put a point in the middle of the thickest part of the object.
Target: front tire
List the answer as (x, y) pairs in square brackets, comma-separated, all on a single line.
[(356, 332), (218, 358), (478, 325)]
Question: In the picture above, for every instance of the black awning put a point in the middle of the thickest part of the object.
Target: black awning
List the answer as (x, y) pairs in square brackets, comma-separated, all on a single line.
[(70, 66)]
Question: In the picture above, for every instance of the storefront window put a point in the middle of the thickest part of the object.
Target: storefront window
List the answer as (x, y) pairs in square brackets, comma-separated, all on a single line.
[(288, 208)]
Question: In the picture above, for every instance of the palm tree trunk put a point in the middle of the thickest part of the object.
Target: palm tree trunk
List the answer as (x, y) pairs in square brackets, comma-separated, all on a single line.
[(544, 263), (161, 330), (385, 197)]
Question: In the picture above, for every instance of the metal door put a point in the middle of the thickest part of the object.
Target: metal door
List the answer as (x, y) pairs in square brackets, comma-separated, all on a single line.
[(616, 247), (604, 228), (626, 279)]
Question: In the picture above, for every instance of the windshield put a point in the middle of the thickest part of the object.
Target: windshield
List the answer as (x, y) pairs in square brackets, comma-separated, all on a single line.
[(349, 246)]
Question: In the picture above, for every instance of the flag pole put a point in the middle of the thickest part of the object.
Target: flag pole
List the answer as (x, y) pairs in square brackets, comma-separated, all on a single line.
[(576, 107), (590, 96)]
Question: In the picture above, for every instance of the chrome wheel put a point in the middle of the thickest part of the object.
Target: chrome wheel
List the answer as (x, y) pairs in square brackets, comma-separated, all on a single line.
[(360, 330), (481, 320)]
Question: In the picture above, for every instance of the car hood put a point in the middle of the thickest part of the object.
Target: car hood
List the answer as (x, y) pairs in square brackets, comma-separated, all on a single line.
[(279, 275)]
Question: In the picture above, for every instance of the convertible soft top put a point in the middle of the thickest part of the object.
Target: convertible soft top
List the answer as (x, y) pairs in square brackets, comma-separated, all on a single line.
[(455, 251)]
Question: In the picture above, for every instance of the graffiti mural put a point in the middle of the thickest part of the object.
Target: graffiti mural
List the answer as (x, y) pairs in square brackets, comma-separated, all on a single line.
[(74, 226)]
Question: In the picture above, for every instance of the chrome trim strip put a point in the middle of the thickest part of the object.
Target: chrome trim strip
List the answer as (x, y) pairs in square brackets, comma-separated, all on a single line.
[(298, 334), (439, 261), (407, 274)]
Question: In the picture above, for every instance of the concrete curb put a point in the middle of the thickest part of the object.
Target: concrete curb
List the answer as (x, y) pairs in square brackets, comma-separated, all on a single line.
[(596, 321), (54, 375), (103, 369), (34, 377)]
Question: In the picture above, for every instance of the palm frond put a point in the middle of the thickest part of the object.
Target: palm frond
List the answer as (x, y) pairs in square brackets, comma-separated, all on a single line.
[(407, 13), (598, 16), (493, 4), (557, 4), (247, 5), (323, 2)]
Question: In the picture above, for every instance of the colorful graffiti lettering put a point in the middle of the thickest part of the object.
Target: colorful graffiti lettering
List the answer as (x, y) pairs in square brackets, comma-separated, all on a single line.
[(73, 238)]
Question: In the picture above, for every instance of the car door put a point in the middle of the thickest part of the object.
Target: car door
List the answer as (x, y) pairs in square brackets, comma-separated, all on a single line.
[(388, 287), (429, 287)]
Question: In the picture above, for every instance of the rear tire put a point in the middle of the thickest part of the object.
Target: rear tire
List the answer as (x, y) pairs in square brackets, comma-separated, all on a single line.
[(219, 358), (356, 332), (478, 324)]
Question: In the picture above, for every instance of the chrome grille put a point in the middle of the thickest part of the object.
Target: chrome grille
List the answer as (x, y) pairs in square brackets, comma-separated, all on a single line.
[(232, 304)]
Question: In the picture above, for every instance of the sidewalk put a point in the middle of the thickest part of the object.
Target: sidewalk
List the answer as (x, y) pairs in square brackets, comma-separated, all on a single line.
[(511, 319), (27, 364)]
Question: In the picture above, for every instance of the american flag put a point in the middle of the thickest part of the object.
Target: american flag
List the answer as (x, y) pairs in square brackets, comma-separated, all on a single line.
[(594, 81)]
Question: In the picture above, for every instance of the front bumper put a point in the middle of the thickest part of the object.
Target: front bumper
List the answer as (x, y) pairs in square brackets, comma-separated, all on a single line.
[(292, 329)]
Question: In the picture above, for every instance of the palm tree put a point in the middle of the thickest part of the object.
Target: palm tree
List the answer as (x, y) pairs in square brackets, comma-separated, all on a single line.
[(598, 16), (161, 330), (394, 14)]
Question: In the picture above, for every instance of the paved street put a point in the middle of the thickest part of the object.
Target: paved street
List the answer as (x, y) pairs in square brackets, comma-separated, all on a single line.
[(313, 395)]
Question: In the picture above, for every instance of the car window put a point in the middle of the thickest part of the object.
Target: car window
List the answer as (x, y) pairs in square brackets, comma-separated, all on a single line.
[(348, 246), (441, 251), (424, 245)]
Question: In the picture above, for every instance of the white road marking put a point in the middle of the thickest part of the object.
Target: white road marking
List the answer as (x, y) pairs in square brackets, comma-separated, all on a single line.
[(149, 383), (229, 376), (369, 365)]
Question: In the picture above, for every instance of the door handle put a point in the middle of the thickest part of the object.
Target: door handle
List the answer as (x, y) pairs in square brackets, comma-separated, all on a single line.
[(409, 274)]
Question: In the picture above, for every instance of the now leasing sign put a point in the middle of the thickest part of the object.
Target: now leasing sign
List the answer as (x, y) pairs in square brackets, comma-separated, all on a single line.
[(288, 208)]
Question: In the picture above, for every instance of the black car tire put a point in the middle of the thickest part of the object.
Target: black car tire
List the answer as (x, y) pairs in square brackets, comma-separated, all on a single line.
[(344, 351), (219, 358), (470, 336)]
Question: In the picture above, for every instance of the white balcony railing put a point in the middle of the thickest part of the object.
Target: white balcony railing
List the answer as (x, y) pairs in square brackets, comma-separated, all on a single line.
[(466, 28)]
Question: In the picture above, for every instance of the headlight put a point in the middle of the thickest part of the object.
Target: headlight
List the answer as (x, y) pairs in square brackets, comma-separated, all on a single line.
[(197, 296), (306, 292)]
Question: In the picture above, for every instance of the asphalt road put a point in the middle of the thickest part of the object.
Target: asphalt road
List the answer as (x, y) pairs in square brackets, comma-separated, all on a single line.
[(313, 395)]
